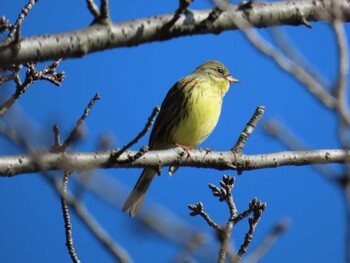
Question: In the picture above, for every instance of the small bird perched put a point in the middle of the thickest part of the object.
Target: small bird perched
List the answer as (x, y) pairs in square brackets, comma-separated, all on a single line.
[(188, 114)]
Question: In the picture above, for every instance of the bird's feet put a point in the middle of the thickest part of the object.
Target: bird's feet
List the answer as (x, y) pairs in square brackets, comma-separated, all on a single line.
[(185, 148), (207, 150)]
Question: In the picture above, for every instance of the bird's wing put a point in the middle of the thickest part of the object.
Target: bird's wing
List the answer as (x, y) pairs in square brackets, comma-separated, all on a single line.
[(171, 112)]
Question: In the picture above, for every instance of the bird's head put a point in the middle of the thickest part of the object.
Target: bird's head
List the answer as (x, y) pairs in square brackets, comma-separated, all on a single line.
[(216, 69)]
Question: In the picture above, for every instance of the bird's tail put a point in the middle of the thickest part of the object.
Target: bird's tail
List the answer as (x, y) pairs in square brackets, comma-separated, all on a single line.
[(135, 199)]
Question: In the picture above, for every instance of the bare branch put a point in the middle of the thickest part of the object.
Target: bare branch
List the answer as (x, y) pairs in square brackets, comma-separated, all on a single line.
[(227, 185), (4, 24), (118, 252), (15, 31), (97, 230), (183, 5), (93, 8), (116, 155), (280, 228), (57, 136), (248, 129), (104, 10), (82, 161), (66, 218), (75, 131), (32, 75), (14, 75), (224, 233), (132, 33), (197, 209), (258, 209)]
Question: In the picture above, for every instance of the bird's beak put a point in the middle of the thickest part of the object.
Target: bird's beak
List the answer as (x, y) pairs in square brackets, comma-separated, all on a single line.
[(232, 79)]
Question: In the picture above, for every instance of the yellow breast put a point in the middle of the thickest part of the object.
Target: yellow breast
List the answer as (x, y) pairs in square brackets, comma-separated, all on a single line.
[(203, 112)]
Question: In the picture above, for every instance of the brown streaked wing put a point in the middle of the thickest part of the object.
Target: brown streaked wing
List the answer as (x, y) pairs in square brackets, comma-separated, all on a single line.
[(171, 112)]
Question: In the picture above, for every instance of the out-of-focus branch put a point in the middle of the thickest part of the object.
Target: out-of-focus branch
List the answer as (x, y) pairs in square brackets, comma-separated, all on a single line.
[(280, 133), (340, 87), (112, 193), (132, 33), (291, 52), (296, 70), (118, 252), (341, 83), (14, 75)]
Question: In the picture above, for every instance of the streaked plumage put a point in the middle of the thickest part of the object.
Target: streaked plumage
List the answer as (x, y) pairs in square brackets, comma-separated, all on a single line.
[(189, 113)]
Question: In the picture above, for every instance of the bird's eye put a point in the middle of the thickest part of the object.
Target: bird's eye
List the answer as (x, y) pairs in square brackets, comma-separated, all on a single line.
[(220, 70)]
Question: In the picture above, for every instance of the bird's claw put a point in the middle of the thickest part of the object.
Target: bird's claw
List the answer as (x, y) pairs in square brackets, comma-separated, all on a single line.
[(185, 148)]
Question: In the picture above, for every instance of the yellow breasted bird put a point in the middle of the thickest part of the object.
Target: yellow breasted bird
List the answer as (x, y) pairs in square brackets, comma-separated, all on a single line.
[(188, 114)]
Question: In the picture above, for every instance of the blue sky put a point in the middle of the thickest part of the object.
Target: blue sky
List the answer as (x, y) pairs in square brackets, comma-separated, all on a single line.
[(131, 81)]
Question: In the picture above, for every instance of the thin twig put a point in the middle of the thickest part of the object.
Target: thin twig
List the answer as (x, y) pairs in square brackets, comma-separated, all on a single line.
[(66, 218), (118, 252), (131, 157), (93, 8), (104, 10), (220, 7), (225, 193), (259, 208), (248, 129), (264, 246), (4, 24), (74, 133), (32, 75), (197, 209), (183, 5), (247, 212), (117, 154), (57, 136), (14, 75), (15, 32)]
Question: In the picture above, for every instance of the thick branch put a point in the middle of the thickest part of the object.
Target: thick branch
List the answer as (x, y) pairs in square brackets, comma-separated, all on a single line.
[(20, 164), (132, 33)]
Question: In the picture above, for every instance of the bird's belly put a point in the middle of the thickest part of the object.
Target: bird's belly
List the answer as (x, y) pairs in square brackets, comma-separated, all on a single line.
[(200, 121)]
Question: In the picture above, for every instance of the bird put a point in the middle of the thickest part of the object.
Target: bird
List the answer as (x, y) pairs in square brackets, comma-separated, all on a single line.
[(188, 114)]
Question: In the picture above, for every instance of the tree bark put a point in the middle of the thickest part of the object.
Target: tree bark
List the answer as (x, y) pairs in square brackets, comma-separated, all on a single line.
[(33, 163), (98, 37)]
